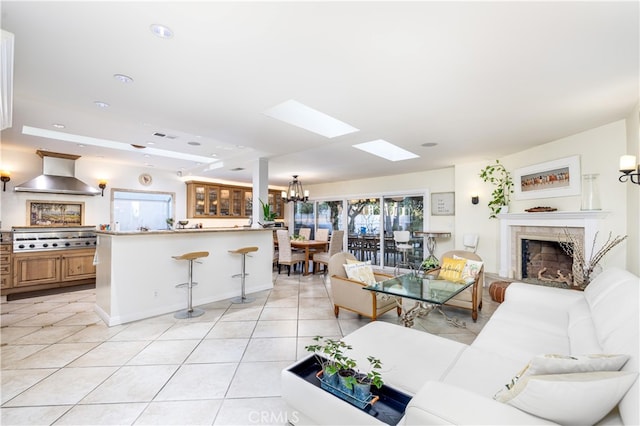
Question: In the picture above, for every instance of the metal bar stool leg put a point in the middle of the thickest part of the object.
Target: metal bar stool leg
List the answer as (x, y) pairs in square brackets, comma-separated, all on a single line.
[(243, 274), (190, 312)]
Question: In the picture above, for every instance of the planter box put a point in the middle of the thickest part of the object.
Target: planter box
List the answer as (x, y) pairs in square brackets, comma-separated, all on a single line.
[(389, 408)]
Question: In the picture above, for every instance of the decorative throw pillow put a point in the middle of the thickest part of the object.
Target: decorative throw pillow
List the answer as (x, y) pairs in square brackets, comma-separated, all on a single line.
[(360, 271), (569, 399), (471, 268), (451, 269), (563, 364)]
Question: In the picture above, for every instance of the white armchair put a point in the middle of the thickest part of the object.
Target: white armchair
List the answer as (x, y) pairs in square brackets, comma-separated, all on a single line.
[(348, 294)]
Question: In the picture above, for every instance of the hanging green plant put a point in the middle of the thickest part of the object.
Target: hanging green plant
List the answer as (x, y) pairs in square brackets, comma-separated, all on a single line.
[(501, 178)]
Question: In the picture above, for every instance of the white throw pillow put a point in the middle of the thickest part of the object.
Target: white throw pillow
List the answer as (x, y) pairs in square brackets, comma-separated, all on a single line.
[(361, 271), (562, 364), (569, 399)]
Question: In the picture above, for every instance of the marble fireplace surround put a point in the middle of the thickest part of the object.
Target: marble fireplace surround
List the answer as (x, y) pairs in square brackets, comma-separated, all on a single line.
[(546, 226)]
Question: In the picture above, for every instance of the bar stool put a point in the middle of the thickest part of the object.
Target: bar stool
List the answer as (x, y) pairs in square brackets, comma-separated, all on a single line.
[(403, 247), (190, 312), (244, 252)]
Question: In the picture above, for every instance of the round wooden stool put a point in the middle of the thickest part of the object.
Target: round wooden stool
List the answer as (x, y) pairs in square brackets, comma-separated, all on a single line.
[(190, 312), (243, 273)]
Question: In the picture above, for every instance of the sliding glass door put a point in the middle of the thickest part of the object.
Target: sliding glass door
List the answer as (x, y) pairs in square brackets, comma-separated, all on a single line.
[(403, 214)]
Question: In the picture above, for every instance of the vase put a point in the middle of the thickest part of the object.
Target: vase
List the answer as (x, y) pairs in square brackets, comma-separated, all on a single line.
[(590, 192)]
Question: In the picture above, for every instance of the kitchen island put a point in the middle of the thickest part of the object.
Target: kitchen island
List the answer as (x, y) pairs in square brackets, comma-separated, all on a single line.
[(136, 276)]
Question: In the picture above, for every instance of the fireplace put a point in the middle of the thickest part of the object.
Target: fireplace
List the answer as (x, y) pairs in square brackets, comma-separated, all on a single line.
[(545, 227), (544, 262)]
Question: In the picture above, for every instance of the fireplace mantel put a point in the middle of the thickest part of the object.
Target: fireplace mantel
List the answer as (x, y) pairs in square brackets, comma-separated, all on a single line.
[(588, 220)]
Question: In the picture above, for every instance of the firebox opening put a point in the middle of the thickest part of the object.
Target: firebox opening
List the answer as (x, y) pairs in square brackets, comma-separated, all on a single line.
[(545, 262)]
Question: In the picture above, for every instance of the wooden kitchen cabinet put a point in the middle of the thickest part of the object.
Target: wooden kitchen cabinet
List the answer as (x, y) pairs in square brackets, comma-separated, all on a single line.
[(5, 265), (210, 200), (77, 264), (50, 269), (36, 268)]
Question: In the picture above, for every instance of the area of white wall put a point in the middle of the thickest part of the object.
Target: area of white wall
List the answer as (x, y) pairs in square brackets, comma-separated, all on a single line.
[(474, 219), (599, 150), (633, 194), (27, 164), (427, 182)]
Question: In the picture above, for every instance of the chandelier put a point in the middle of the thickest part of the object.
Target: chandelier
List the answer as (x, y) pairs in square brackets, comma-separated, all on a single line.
[(295, 192)]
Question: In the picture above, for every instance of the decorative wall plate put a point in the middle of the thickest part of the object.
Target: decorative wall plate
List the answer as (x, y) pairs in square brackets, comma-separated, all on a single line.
[(145, 179)]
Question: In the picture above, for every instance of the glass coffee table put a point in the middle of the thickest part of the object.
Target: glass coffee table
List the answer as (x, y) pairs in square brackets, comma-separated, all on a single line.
[(428, 293)]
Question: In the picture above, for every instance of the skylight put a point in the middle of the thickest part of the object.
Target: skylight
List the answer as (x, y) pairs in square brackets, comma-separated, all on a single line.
[(300, 115), (386, 150), (105, 143)]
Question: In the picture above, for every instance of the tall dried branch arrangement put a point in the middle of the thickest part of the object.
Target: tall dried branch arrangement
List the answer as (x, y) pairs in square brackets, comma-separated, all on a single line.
[(583, 268)]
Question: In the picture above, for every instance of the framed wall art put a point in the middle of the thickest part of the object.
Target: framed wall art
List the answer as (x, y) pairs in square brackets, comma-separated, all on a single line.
[(443, 204), (557, 178), (55, 213)]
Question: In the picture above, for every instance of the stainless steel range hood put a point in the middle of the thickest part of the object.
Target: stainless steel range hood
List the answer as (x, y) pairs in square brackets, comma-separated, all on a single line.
[(58, 176)]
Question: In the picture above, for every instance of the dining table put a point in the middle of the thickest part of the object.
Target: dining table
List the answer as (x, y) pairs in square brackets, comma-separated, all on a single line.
[(308, 246)]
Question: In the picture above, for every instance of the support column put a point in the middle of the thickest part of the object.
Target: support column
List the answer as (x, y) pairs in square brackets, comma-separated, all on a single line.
[(260, 189)]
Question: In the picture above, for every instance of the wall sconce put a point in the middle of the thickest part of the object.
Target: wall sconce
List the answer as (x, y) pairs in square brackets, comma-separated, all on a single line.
[(627, 166), (475, 199), (5, 177), (102, 185)]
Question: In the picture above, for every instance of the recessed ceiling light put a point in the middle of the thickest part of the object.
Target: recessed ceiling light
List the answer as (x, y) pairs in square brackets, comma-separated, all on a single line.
[(123, 78), (151, 143), (161, 31), (101, 104), (386, 150), (194, 143), (58, 125), (237, 169), (138, 146), (429, 144), (300, 115)]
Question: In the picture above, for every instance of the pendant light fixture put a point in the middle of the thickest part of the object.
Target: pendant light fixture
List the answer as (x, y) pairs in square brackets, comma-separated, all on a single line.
[(295, 192)]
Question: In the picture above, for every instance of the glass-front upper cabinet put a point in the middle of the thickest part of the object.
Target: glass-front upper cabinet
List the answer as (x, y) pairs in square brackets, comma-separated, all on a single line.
[(210, 200), (236, 202), (225, 202)]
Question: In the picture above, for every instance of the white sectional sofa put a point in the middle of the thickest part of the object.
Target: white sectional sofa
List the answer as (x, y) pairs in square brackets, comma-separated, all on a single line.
[(453, 383)]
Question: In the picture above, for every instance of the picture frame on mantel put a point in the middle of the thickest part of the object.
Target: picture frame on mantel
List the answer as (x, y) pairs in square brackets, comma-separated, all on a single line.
[(556, 178), (55, 213)]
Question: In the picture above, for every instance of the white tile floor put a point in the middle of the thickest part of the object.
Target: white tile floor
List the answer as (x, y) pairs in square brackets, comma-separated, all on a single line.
[(61, 365)]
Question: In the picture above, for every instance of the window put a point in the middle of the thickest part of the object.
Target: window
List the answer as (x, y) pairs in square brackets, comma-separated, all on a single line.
[(136, 209)]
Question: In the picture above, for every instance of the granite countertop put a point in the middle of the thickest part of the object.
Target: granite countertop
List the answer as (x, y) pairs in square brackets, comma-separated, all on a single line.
[(182, 231)]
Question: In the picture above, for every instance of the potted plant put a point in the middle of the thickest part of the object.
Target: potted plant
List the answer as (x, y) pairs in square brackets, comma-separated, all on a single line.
[(361, 382), (340, 372), (169, 223), (330, 355), (268, 216), (429, 265), (501, 178)]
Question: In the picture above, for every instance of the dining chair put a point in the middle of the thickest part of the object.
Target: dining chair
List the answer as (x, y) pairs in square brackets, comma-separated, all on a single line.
[(470, 242), (305, 232), (322, 234), (285, 255), (335, 246)]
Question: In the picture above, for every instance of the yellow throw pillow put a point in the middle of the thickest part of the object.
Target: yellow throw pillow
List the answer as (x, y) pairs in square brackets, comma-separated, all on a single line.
[(451, 269)]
